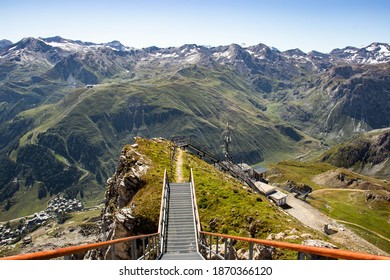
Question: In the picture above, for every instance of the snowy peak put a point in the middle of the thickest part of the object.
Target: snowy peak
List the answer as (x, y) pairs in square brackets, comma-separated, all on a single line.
[(378, 47), (230, 53), (30, 44), (117, 46), (372, 54), (119, 58)]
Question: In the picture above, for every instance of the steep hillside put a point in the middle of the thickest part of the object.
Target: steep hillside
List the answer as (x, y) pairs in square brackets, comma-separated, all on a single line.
[(368, 154), (340, 102), (81, 133)]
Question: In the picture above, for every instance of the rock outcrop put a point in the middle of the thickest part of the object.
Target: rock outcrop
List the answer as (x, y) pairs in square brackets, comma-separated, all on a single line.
[(117, 220), (316, 243)]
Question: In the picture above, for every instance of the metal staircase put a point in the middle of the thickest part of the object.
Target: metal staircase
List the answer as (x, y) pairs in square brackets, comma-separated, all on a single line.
[(181, 240)]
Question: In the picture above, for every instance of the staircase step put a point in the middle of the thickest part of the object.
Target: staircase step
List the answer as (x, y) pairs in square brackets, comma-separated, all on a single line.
[(186, 224), (181, 248), (181, 236), (172, 229), (190, 242), (185, 228), (189, 225), (183, 256), (180, 218), (182, 243)]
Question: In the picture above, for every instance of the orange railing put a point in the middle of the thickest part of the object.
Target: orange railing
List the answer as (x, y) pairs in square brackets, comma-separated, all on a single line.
[(227, 240), (61, 252)]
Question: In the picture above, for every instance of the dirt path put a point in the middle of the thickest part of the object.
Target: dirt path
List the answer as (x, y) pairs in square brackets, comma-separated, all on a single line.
[(179, 166), (337, 190), (313, 218), (359, 226)]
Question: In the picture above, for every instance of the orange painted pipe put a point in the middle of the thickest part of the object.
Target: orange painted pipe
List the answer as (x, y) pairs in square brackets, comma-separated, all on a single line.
[(327, 252), (60, 252)]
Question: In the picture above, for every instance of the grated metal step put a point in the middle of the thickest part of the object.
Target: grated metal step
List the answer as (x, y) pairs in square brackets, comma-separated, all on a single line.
[(181, 235)]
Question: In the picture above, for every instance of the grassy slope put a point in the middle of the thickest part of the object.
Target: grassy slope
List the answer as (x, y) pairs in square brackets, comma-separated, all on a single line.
[(301, 172), (148, 198), (26, 203), (351, 206), (347, 205)]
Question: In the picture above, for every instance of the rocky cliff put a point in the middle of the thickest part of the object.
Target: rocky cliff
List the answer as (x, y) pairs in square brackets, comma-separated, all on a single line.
[(117, 219)]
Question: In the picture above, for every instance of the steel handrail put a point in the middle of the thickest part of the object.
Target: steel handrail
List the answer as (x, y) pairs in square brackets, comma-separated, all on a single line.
[(61, 252), (197, 224), (162, 202), (163, 220), (197, 219), (327, 252)]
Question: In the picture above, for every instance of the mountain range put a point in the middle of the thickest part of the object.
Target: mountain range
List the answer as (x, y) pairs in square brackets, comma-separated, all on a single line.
[(68, 107)]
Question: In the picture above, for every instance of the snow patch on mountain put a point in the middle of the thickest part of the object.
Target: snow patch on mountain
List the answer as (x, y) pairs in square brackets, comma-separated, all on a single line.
[(67, 46)]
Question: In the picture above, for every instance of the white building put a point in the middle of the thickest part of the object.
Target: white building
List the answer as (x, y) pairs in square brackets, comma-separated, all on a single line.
[(279, 198), (269, 191)]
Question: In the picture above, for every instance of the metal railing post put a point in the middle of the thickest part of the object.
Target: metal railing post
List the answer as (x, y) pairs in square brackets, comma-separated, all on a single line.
[(216, 250), (112, 251), (250, 251), (226, 246), (148, 248), (143, 247), (211, 245), (153, 248), (231, 249), (133, 250)]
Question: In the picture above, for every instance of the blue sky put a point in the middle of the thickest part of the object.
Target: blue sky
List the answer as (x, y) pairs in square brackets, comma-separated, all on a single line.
[(309, 25)]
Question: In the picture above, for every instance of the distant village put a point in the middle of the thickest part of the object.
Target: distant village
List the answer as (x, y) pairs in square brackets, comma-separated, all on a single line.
[(57, 209)]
